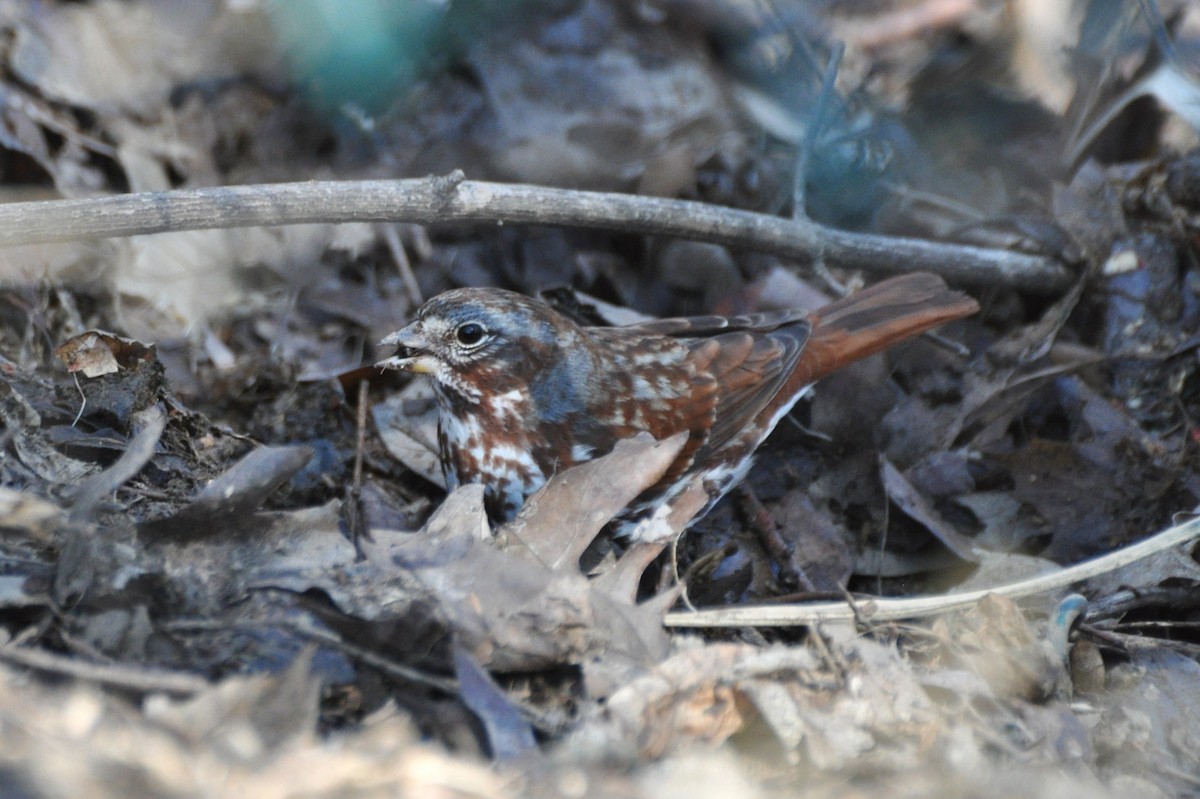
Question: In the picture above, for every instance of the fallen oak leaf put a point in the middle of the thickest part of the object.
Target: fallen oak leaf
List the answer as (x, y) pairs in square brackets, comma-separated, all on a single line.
[(505, 606), (512, 611), (562, 519)]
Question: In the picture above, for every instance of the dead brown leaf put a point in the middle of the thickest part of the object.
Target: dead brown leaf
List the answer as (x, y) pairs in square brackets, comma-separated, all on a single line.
[(96, 353)]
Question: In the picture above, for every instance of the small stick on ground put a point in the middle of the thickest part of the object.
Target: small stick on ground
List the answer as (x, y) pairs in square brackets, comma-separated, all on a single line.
[(869, 610), (117, 675), (355, 515), (791, 573)]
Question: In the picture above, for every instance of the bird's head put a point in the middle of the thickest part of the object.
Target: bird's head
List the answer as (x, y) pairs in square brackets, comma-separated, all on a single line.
[(477, 341)]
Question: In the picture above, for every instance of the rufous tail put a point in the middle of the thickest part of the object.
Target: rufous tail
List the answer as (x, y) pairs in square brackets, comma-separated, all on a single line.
[(877, 317)]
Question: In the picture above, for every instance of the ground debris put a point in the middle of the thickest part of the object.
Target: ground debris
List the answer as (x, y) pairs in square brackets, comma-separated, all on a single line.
[(215, 579)]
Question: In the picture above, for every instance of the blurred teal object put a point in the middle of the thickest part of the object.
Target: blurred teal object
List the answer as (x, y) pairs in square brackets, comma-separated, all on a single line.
[(361, 54)]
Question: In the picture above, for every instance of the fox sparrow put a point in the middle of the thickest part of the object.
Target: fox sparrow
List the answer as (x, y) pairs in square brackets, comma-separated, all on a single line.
[(523, 391)]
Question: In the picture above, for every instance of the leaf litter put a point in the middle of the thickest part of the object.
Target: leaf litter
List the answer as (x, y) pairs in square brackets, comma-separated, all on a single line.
[(176, 540)]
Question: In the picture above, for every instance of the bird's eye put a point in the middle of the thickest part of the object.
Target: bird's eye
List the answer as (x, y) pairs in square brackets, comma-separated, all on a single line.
[(469, 334)]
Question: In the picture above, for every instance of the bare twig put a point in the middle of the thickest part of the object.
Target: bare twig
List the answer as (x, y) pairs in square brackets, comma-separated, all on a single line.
[(454, 199), (320, 635), (877, 610), (396, 247), (392, 668), (355, 515), (135, 678)]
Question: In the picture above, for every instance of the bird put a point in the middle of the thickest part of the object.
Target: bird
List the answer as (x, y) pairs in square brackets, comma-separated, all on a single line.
[(524, 392)]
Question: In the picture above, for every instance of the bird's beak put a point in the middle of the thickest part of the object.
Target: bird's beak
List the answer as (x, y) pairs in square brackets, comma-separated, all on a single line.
[(412, 352)]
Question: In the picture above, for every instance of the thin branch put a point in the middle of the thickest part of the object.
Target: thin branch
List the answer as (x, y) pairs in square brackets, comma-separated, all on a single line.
[(135, 678), (876, 610), (452, 199)]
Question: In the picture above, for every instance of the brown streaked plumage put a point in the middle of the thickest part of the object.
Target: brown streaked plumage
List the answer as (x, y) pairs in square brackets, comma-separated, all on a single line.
[(524, 392)]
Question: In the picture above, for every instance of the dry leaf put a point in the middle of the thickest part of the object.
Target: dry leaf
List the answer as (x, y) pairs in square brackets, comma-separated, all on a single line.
[(97, 353)]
